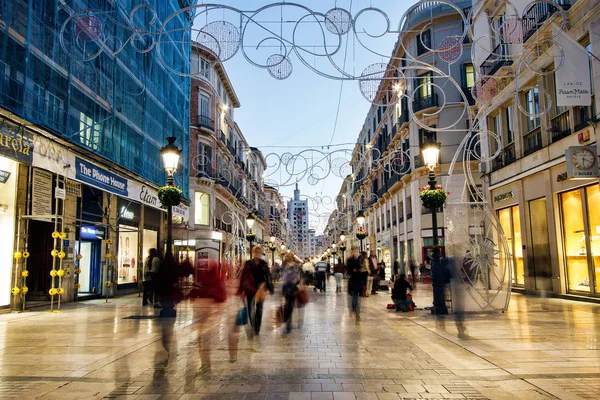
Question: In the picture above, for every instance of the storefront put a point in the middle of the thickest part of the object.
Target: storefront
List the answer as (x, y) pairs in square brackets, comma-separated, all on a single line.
[(580, 219), (149, 236), (128, 234), (90, 248), (511, 225), (8, 185)]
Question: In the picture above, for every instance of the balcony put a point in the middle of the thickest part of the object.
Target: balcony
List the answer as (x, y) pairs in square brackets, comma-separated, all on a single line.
[(422, 103), (222, 137), (506, 157), (230, 147), (532, 141), (497, 59), (584, 116), (408, 216), (560, 126), (535, 17), (205, 122)]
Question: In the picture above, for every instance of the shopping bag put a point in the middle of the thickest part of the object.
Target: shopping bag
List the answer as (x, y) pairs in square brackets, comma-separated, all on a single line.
[(391, 306), (302, 296), (261, 294), (242, 317)]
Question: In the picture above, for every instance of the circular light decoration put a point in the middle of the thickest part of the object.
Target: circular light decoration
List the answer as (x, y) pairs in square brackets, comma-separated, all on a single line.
[(338, 21), (221, 37), (279, 66), (373, 78), (88, 28), (511, 30), (485, 90), (450, 49)]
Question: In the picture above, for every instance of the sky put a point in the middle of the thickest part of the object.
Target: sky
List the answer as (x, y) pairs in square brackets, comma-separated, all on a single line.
[(301, 112)]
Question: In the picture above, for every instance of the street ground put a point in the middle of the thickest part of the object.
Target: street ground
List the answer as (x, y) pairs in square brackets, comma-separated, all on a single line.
[(539, 349)]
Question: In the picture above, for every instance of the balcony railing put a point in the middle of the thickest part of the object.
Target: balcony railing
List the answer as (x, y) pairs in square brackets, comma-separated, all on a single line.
[(497, 59), (535, 17), (533, 141), (205, 122), (584, 116), (222, 137), (421, 103), (560, 126)]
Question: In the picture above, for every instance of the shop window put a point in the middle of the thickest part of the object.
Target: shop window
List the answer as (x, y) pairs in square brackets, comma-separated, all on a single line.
[(575, 241), (511, 225), (202, 209), (593, 200)]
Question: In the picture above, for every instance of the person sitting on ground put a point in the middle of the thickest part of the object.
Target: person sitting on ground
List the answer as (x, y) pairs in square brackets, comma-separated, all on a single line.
[(399, 296)]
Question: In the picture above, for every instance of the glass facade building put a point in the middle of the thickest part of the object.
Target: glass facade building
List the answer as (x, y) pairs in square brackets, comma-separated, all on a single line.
[(94, 84)]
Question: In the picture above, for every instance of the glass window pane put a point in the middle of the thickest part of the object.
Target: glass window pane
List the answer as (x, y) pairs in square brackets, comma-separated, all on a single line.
[(593, 200), (518, 247), (574, 241), (201, 209), (504, 217)]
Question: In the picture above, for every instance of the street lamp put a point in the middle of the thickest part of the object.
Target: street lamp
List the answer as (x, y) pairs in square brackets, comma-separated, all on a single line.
[(431, 155), (343, 247), (273, 248), (170, 155), (361, 233), (250, 219)]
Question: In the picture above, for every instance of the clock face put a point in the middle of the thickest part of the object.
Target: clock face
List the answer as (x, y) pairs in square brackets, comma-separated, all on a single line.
[(584, 159)]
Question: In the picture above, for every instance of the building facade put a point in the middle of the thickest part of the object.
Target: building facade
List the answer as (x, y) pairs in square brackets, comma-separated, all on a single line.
[(549, 216), (387, 164), (80, 155), (298, 225), (226, 179)]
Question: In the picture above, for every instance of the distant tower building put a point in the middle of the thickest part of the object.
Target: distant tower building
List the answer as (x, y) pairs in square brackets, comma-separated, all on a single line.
[(298, 225)]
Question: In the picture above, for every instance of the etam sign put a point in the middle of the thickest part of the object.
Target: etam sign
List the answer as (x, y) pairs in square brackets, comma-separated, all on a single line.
[(144, 194)]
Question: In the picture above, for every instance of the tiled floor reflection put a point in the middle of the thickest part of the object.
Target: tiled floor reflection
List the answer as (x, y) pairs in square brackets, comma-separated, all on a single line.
[(539, 349)]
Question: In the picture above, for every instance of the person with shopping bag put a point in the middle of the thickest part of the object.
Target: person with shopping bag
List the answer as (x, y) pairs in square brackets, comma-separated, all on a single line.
[(254, 283)]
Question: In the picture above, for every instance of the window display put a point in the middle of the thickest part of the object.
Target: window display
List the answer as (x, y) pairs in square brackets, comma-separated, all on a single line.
[(128, 244), (581, 233), (510, 222), (150, 242)]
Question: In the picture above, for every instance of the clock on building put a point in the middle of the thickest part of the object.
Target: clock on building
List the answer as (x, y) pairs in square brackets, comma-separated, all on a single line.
[(582, 162), (584, 159)]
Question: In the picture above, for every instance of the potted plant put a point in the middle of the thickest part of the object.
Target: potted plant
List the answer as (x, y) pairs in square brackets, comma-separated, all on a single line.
[(361, 234), (169, 196), (433, 198), (250, 236)]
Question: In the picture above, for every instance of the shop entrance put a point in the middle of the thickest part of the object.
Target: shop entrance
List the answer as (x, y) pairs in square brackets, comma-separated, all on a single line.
[(39, 264), (89, 279), (540, 257)]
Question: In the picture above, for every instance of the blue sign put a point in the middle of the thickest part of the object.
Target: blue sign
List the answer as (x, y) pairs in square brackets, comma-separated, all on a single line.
[(92, 232), (99, 177)]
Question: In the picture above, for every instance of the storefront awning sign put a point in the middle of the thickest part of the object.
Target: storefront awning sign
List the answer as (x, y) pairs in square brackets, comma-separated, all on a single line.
[(100, 178), (4, 175), (91, 232), (15, 142)]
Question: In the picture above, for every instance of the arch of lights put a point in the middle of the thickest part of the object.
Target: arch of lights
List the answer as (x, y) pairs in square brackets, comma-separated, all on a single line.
[(228, 31)]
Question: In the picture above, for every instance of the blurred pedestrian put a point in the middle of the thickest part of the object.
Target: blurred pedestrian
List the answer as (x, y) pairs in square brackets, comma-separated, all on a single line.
[(321, 274), (399, 293), (365, 272), (151, 267), (373, 273), (289, 279), (254, 282), (338, 273), (166, 279), (413, 271), (395, 269), (355, 280)]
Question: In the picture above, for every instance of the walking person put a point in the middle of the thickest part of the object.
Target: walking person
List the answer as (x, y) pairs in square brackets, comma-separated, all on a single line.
[(365, 272), (338, 273), (413, 271), (355, 280), (290, 279), (255, 281), (321, 274), (373, 273), (151, 267)]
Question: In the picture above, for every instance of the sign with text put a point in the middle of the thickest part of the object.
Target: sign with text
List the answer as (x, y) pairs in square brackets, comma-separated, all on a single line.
[(92, 232), (4, 175), (73, 188), (15, 142), (573, 83), (60, 193), (41, 193), (100, 178), (582, 162)]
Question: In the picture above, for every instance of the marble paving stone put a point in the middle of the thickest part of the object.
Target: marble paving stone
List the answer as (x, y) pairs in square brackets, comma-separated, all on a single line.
[(533, 351)]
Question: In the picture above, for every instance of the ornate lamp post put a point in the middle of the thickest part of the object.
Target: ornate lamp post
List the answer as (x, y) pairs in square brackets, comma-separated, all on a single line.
[(343, 247), (170, 155), (273, 249), (431, 154), (361, 233), (333, 252), (250, 236)]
